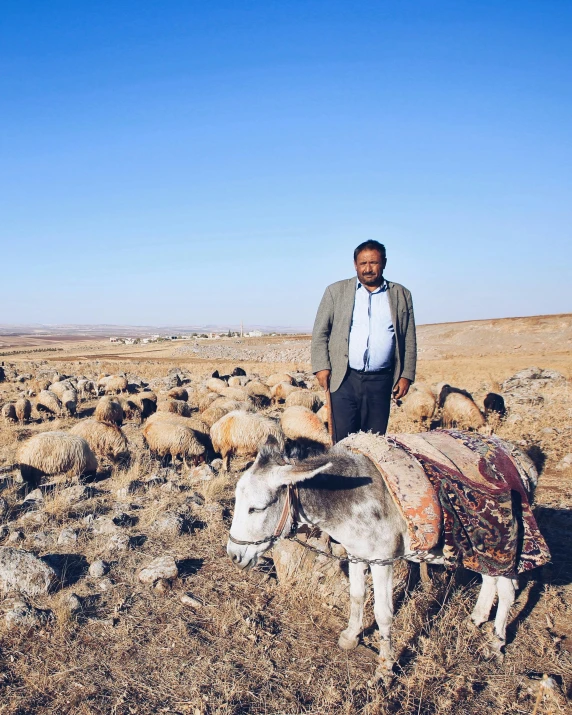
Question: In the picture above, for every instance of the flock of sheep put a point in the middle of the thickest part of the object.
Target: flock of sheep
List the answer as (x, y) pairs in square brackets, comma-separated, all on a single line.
[(226, 416)]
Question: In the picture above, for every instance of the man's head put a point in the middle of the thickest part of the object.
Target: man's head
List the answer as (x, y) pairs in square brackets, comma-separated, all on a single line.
[(369, 261)]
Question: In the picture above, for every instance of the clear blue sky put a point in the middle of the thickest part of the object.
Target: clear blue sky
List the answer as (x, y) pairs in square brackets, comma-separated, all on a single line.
[(205, 162)]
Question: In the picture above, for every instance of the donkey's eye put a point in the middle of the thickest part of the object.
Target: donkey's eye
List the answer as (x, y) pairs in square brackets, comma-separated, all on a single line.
[(253, 509)]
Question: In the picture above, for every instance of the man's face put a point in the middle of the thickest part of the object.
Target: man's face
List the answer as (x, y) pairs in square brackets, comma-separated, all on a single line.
[(369, 266)]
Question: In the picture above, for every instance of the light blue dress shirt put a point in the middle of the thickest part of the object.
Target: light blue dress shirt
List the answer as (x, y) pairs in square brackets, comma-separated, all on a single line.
[(372, 335)]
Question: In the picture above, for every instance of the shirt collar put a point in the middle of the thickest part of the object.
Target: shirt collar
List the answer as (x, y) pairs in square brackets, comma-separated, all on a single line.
[(382, 288)]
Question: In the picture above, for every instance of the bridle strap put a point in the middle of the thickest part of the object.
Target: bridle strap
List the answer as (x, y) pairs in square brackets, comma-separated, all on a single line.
[(289, 509)]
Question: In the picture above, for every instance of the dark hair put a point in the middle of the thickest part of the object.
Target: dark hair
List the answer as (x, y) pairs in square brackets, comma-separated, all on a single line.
[(369, 246)]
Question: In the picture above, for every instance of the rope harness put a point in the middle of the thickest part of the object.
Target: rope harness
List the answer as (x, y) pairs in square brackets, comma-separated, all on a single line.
[(290, 510)]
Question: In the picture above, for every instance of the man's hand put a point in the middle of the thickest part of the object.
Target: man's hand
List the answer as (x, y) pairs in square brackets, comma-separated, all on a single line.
[(401, 389), (323, 377)]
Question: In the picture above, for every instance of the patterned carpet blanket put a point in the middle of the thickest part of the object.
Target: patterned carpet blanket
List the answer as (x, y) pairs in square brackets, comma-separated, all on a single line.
[(463, 491)]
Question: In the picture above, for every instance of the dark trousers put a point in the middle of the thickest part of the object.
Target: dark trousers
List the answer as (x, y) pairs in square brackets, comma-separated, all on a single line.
[(362, 402)]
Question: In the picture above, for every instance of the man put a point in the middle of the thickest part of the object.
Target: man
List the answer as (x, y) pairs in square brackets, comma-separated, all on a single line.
[(364, 345)]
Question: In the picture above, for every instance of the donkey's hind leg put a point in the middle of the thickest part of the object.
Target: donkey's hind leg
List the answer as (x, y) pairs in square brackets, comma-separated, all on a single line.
[(382, 577), (485, 601), (506, 593), (349, 637)]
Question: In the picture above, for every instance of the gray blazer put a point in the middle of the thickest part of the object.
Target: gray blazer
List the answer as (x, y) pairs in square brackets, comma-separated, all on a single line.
[(331, 332)]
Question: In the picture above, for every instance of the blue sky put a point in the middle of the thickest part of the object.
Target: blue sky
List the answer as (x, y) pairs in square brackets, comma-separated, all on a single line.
[(211, 162)]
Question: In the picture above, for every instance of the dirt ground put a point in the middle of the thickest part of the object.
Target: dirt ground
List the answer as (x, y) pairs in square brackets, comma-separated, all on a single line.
[(249, 644)]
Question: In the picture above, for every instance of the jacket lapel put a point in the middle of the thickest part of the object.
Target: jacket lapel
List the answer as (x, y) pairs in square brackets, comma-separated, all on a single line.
[(392, 298), (348, 301)]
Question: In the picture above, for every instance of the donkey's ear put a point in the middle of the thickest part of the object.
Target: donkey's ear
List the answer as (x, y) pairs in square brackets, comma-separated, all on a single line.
[(270, 453), (294, 474)]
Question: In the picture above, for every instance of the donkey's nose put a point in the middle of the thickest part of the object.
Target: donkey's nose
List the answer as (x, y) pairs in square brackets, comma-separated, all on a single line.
[(235, 558)]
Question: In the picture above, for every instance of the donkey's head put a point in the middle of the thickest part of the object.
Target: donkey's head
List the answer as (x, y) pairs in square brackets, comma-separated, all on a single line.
[(260, 498)]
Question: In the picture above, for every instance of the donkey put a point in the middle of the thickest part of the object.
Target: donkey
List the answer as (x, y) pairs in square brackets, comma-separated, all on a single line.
[(344, 495)]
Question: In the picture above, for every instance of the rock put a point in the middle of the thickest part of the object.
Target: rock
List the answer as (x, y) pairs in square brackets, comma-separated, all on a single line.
[(98, 569), (171, 486), (216, 464), (76, 493), (35, 496), (187, 599), (119, 542), (168, 524), (196, 498), (106, 584), (25, 572), (72, 603), (4, 531), (162, 586), (154, 481), (531, 379), (124, 520), (134, 487), (67, 537), (565, 462), (202, 473), (104, 525), (294, 563), (162, 567), (3, 508), (16, 536), (18, 613), (42, 540)]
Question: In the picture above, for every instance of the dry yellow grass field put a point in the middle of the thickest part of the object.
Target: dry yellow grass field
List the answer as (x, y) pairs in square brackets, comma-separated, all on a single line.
[(249, 644)]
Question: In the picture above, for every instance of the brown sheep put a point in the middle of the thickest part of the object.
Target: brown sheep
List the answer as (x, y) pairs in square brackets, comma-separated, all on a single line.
[(304, 398), (168, 437), (58, 388), (279, 377), (194, 422), (178, 407), (215, 384), (147, 402), (23, 409), (221, 407), (420, 404), (323, 414), (109, 410), (234, 393), (105, 439), (113, 384), (178, 393), (461, 412), (48, 402), (281, 390), (237, 381), (9, 412), (69, 401), (39, 384), (206, 399), (299, 423), (131, 409), (50, 453), (240, 432)]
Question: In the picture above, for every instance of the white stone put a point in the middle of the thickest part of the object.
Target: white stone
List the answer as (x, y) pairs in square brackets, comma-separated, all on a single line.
[(18, 613), (68, 536), (161, 567), (187, 599), (565, 462), (25, 572), (98, 569)]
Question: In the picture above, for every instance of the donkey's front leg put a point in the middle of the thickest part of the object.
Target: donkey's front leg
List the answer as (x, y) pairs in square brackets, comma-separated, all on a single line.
[(383, 608), (349, 637)]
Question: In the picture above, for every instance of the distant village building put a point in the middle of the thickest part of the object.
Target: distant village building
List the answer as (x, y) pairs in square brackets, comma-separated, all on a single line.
[(254, 334)]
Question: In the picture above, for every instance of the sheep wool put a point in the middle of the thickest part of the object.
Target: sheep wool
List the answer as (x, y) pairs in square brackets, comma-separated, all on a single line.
[(461, 412), (206, 399), (178, 393), (221, 407), (170, 437), (109, 410), (281, 390), (58, 388), (234, 393), (178, 407), (258, 389), (23, 409), (147, 403), (9, 412), (215, 384), (240, 432), (300, 423), (279, 377), (420, 403), (48, 402), (304, 398), (69, 401), (50, 453), (105, 439)]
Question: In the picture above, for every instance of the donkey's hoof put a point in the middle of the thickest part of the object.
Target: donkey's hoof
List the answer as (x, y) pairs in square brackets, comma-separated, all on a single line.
[(384, 674), (347, 641)]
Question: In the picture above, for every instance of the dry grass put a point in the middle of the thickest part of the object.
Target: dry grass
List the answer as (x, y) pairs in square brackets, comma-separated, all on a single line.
[(254, 646)]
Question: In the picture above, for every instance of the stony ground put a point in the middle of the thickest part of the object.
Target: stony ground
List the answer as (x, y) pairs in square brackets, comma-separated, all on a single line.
[(209, 639)]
